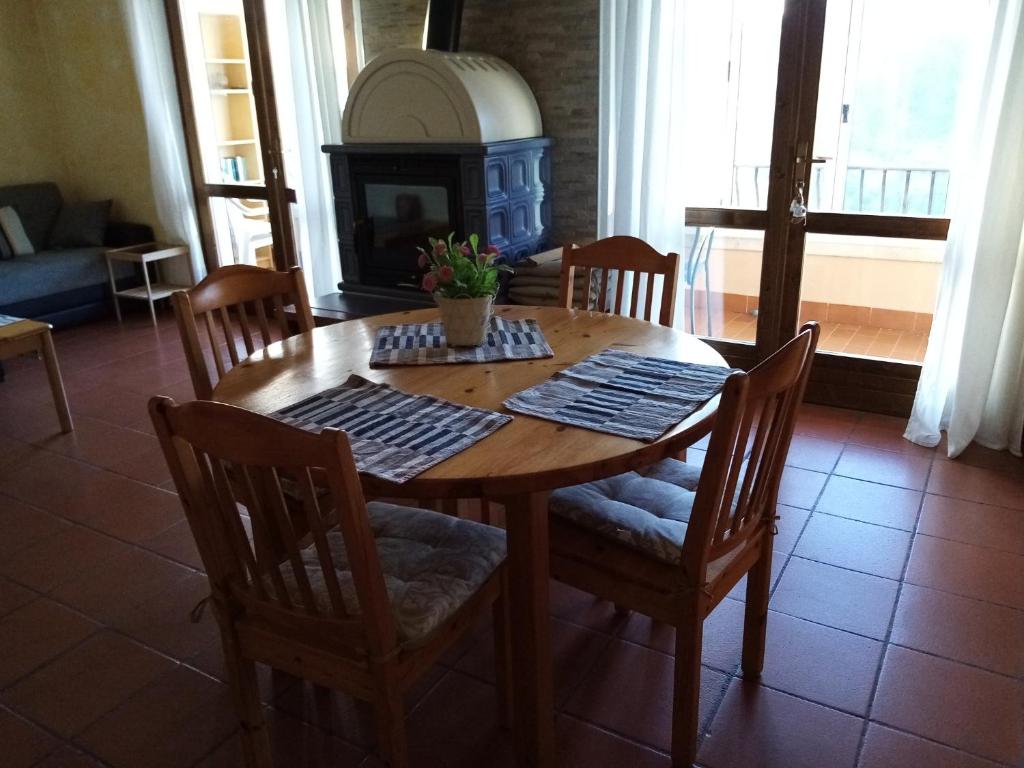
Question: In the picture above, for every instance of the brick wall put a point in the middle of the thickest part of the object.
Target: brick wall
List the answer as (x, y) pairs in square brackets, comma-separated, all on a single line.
[(554, 45)]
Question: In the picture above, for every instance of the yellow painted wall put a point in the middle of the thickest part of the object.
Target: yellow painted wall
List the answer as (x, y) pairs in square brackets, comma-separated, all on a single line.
[(29, 144), (72, 76)]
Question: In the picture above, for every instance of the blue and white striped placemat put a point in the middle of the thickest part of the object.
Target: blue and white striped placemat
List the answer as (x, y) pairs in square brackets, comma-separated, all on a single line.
[(425, 344), (10, 319), (394, 435), (622, 394)]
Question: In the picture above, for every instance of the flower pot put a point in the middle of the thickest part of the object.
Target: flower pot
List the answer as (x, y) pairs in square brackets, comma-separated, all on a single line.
[(465, 320)]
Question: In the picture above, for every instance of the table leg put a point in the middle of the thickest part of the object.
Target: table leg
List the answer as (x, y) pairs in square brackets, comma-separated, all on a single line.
[(149, 293), (533, 709), (113, 290), (60, 400)]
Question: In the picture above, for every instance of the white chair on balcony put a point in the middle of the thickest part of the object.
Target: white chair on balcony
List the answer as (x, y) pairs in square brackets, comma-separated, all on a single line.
[(697, 257), (250, 230)]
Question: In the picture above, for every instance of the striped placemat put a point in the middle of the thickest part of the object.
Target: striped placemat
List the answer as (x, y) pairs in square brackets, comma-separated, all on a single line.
[(425, 344), (622, 394), (9, 319), (394, 435)]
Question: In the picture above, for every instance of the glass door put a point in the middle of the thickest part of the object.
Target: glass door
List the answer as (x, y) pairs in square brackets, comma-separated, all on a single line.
[(226, 87)]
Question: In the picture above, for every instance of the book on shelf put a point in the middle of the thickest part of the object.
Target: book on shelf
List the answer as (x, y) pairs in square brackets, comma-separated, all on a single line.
[(234, 168)]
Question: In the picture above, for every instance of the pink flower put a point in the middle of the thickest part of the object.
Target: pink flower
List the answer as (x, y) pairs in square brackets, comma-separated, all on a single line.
[(440, 248), (466, 250), (483, 258), (446, 274), (492, 249), (424, 260), (429, 283)]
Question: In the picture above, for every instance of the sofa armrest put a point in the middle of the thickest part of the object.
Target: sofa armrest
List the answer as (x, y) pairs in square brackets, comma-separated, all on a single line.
[(122, 233)]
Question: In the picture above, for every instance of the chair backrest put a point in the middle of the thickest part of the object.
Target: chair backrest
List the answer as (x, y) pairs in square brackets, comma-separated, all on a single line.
[(621, 254), (220, 457), (244, 301), (742, 471)]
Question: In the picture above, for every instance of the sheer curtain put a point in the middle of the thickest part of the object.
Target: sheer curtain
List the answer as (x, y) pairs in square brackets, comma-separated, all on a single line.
[(316, 102), (642, 123), (972, 382), (146, 25)]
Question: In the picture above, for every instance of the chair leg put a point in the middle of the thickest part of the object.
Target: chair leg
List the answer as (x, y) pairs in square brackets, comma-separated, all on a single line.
[(503, 656), (755, 620), (686, 711), (389, 717), (256, 751)]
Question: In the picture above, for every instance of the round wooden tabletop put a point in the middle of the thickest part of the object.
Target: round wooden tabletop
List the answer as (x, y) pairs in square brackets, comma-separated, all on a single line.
[(528, 454)]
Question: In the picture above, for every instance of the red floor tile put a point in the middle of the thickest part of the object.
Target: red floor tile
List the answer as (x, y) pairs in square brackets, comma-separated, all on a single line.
[(961, 706), (789, 526), (840, 598), (62, 557), (813, 453), (886, 748), (67, 757), (23, 743), (174, 722), (24, 525), (962, 629), (964, 569), (886, 433), (632, 693), (800, 487), (851, 544), (870, 502), (756, 726), (582, 745), (78, 687), (35, 633), (799, 655), (973, 523), (988, 486), (13, 596), (888, 467)]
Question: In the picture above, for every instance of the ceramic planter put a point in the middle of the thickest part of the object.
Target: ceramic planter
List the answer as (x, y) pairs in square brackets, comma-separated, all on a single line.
[(465, 320)]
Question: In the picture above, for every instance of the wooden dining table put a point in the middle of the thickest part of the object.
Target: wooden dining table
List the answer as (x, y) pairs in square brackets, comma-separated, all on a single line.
[(517, 466)]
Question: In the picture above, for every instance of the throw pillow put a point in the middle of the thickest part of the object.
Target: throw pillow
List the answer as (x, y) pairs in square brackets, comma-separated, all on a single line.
[(80, 224), (5, 248), (13, 230)]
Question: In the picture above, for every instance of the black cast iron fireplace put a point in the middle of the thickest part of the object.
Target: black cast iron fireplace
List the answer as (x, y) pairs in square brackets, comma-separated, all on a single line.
[(436, 141)]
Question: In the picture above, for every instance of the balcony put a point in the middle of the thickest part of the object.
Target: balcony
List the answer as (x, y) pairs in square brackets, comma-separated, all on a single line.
[(873, 296)]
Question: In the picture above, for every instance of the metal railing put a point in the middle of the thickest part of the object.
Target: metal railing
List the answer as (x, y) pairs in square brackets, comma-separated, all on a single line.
[(867, 188)]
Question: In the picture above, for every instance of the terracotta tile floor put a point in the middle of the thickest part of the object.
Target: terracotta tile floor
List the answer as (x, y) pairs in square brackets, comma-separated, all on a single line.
[(865, 340), (896, 637)]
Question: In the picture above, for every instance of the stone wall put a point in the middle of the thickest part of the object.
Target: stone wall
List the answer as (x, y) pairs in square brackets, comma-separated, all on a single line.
[(554, 45)]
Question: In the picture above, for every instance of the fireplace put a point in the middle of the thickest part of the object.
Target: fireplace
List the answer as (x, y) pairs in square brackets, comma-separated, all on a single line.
[(436, 141)]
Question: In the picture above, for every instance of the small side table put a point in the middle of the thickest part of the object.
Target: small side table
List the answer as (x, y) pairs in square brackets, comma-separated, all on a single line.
[(156, 287), (18, 337)]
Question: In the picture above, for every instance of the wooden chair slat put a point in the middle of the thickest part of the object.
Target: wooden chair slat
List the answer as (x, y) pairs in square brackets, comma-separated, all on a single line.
[(588, 284), (323, 550), (243, 322), (263, 533), (620, 289), (602, 298), (261, 317), (269, 483), (214, 345), (649, 300), (634, 296), (229, 334), (282, 319)]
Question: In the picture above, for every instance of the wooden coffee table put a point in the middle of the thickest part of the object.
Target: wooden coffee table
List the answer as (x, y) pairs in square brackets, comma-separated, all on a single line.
[(18, 337)]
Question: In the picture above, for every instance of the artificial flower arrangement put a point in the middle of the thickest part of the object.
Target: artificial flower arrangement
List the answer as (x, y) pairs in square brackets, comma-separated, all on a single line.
[(463, 280), (460, 270)]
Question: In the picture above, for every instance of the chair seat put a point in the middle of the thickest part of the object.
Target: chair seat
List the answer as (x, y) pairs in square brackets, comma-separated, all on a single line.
[(648, 512), (432, 563)]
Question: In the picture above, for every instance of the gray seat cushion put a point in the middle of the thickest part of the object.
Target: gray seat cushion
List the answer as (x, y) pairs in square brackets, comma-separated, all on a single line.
[(648, 512), (432, 563), (49, 272)]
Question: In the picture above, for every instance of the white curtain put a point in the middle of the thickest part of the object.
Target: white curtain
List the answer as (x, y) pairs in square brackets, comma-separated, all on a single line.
[(146, 25), (641, 122), (972, 381), (313, 45)]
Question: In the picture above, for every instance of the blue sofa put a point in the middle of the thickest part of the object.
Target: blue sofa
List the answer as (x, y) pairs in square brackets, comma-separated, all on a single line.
[(64, 286)]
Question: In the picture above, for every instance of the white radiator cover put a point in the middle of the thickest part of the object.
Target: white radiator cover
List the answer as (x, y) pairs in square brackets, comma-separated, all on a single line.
[(408, 95)]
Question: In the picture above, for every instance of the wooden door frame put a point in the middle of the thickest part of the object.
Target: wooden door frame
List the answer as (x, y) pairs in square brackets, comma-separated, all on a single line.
[(274, 189), (871, 384)]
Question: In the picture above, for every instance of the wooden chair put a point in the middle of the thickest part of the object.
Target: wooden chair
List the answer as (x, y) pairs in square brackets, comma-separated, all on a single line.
[(673, 541), (621, 254), (365, 603), (243, 297)]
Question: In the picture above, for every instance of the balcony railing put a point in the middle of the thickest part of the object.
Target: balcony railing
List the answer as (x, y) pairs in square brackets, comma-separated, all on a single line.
[(868, 189)]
